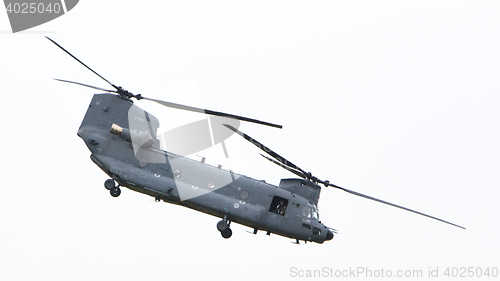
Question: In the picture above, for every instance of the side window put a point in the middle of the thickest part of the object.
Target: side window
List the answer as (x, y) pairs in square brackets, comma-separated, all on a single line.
[(278, 205)]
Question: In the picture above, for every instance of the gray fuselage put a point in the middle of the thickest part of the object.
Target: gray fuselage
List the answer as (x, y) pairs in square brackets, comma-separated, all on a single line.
[(134, 160)]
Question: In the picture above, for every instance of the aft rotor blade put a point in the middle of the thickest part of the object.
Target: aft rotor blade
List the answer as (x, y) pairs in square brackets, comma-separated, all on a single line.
[(82, 63), (296, 172), (85, 85), (391, 204), (211, 112), (267, 150)]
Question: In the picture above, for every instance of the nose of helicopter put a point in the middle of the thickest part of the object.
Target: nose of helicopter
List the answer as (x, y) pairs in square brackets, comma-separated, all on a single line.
[(329, 235)]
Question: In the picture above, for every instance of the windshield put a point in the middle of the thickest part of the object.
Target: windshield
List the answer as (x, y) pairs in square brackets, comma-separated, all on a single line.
[(315, 213), (310, 211)]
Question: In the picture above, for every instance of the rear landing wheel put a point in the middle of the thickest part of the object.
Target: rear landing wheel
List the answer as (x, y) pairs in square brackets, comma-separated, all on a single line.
[(109, 184), (227, 233), (115, 192)]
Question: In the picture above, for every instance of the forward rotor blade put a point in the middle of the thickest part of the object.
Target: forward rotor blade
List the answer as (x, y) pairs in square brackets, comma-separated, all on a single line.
[(268, 151), (391, 204), (299, 172), (85, 85), (211, 112), (296, 172), (82, 63)]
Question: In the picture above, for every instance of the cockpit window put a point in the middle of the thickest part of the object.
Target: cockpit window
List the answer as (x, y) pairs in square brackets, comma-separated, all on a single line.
[(316, 231), (310, 212), (315, 214), (306, 212)]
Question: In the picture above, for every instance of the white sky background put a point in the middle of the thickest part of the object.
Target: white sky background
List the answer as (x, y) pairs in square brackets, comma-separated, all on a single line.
[(395, 99)]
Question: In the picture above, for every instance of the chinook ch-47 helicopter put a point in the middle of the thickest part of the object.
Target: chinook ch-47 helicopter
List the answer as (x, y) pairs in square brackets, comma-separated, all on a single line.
[(122, 139)]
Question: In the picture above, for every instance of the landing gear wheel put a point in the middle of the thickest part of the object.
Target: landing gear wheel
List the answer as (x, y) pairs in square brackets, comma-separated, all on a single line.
[(222, 226), (109, 184), (115, 192), (227, 233)]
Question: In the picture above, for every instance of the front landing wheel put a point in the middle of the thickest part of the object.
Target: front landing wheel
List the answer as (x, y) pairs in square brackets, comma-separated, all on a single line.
[(222, 226), (227, 233)]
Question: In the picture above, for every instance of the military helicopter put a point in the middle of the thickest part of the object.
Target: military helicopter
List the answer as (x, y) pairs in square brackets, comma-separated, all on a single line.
[(122, 139)]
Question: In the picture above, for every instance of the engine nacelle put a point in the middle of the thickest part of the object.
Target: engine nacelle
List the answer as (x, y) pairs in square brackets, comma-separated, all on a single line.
[(138, 138)]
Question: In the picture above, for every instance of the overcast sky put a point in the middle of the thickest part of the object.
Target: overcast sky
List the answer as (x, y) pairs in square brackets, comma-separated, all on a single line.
[(395, 99)]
